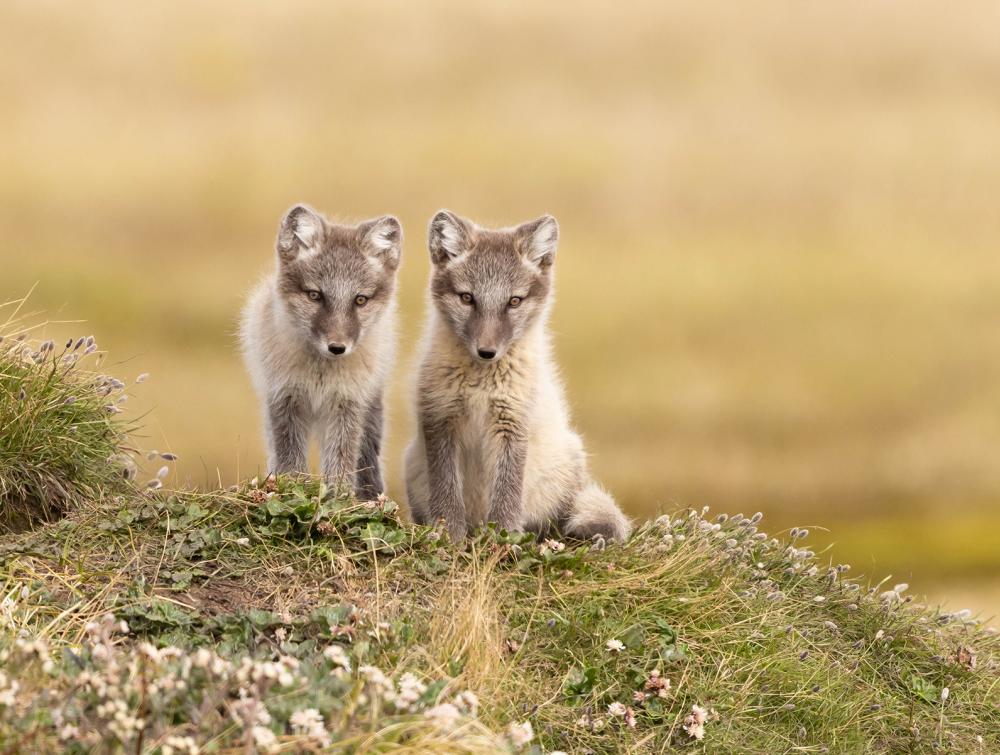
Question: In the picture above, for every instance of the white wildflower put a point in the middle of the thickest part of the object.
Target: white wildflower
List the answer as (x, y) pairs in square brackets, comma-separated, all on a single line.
[(944, 694), (520, 734), (694, 723), (378, 681), (468, 701), (410, 690), (8, 690), (554, 546), (595, 723), (309, 723), (265, 739), (615, 646), (179, 746), (338, 657), (618, 710), (444, 716)]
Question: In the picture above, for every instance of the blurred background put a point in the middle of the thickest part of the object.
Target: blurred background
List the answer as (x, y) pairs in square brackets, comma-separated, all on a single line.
[(779, 275)]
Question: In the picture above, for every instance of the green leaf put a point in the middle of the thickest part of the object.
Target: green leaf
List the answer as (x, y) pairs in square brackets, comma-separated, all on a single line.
[(579, 681), (923, 689), (634, 637)]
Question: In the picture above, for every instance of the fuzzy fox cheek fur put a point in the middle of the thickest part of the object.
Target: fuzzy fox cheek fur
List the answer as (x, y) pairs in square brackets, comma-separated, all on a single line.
[(494, 440), (318, 339)]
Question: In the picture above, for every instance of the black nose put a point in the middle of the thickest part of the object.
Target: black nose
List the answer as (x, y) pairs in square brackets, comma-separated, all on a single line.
[(337, 348), (486, 353)]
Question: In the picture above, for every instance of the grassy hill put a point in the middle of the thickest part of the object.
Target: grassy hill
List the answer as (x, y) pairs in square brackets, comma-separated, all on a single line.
[(220, 618), (285, 616)]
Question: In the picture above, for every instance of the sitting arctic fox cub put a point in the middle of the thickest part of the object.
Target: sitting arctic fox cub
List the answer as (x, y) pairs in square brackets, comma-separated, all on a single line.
[(318, 339), (494, 441)]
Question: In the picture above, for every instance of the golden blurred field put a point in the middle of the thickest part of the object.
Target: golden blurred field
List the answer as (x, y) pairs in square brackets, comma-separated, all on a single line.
[(779, 276)]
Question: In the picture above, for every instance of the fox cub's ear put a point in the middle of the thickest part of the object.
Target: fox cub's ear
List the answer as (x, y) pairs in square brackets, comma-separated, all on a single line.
[(449, 237), (538, 239), (301, 230), (383, 240)]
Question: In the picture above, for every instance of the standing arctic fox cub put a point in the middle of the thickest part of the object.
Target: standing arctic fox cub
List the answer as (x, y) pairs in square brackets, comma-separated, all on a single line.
[(494, 441), (318, 339)]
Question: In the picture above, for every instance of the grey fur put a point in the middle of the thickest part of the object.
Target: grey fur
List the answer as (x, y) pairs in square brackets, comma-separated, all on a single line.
[(318, 340), (369, 481), (510, 452), (287, 427), (494, 441), (445, 501)]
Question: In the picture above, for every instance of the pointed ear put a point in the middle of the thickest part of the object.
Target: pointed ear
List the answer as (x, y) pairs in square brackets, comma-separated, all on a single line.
[(301, 230), (383, 240), (449, 237), (538, 239)]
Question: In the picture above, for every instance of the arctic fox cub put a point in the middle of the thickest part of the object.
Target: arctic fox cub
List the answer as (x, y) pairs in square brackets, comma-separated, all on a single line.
[(494, 441), (318, 338)]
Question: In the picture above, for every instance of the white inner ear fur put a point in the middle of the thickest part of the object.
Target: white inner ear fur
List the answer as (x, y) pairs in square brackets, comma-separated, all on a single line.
[(382, 238), (384, 241), (543, 241), (450, 237), (306, 230), (451, 240)]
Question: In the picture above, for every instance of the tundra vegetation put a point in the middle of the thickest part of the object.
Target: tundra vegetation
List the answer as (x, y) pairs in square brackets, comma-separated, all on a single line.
[(282, 615), (778, 288)]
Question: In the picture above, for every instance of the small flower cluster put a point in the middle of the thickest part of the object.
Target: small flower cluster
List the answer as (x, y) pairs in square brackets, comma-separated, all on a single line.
[(120, 692), (551, 546), (656, 685), (520, 735), (408, 695), (694, 722)]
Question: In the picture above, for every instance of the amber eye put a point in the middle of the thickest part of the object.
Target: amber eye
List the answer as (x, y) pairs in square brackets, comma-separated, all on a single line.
[(314, 295), (466, 298), (360, 300), (515, 302)]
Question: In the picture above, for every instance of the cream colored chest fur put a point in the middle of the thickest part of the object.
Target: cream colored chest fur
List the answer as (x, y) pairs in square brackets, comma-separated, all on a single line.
[(527, 383), (278, 359)]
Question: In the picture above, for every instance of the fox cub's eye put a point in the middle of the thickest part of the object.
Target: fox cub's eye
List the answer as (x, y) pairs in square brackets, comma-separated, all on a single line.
[(466, 298), (515, 302), (314, 295), (360, 300)]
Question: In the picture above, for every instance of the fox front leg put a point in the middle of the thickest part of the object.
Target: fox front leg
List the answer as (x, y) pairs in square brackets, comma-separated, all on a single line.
[(340, 446), (369, 464), (509, 449), (287, 426), (441, 442)]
